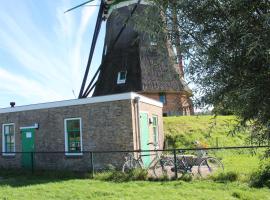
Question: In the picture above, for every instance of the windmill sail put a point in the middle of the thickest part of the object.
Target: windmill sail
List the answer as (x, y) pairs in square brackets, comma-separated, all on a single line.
[(131, 67)]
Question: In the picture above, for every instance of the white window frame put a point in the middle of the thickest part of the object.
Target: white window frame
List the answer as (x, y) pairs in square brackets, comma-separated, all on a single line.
[(3, 140), (157, 127), (105, 50), (165, 98), (66, 137), (121, 81), (152, 43)]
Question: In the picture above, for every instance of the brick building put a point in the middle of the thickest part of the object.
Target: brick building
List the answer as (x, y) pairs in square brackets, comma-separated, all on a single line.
[(70, 128)]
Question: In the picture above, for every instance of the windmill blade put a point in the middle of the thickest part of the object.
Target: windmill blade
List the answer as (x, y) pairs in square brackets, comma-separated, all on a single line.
[(93, 46), (90, 87), (78, 6)]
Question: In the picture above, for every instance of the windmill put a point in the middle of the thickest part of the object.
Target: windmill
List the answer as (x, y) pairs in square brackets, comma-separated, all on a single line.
[(126, 66)]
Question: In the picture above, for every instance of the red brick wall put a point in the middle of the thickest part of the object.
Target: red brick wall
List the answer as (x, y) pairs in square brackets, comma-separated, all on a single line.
[(176, 103)]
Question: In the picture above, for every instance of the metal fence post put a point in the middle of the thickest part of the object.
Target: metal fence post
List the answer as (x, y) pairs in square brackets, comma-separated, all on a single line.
[(175, 163), (32, 162), (92, 164)]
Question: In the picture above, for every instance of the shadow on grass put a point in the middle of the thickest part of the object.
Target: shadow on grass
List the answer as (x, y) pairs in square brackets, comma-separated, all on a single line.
[(21, 178)]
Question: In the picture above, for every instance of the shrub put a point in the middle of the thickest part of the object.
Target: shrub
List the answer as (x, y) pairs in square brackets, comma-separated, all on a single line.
[(261, 178), (118, 176), (186, 177), (226, 177)]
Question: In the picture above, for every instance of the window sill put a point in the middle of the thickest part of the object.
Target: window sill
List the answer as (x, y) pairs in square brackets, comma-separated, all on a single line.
[(8, 154), (73, 154), (121, 82)]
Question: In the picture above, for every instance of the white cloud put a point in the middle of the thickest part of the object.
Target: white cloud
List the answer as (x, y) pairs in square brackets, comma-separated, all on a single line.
[(55, 63), (17, 85)]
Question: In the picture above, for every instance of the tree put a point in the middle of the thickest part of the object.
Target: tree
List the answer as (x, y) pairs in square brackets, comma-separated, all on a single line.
[(228, 45)]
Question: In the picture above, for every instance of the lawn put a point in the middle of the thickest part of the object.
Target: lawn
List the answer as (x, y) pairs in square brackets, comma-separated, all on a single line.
[(39, 188)]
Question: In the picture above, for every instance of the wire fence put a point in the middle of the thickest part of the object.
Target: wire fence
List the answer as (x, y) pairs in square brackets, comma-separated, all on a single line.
[(242, 160)]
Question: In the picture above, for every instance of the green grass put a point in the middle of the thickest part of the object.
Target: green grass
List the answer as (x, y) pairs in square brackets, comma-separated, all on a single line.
[(39, 188), (182, 131)]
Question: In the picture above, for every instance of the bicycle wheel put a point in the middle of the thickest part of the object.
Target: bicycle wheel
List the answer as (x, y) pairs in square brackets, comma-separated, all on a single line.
[(209, 166), (130, 165), (164, 168)]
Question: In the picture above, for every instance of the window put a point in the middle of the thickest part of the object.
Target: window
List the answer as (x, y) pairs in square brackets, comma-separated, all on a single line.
[(105, 50), (73, 136), (153, 40), (121, 78), (8, 138), (155, 130), (162, 98)]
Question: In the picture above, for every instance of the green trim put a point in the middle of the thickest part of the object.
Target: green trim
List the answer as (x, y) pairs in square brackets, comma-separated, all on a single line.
[(155, 129), (8, 137), (73, 135)]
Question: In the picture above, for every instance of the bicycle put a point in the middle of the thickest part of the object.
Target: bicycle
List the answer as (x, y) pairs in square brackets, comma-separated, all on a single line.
[(187, 164), (157, 165)]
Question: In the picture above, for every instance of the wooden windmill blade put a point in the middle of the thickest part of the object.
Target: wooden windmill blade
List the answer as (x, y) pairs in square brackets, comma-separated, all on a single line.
[(78, 6), (94, 40), (93, 46), (93, 84)]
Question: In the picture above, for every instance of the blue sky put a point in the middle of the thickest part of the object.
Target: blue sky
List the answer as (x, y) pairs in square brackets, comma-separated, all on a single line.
[(43, 52)]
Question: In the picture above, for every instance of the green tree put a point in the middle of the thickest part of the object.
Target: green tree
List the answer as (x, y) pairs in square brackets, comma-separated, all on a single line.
[(228, 45)]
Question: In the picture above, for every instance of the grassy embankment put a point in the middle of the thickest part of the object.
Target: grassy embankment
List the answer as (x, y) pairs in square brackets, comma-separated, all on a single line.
[(181, 132)]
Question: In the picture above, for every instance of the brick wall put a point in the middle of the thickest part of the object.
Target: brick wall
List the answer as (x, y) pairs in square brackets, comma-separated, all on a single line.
[(176, 103), (107, 126)]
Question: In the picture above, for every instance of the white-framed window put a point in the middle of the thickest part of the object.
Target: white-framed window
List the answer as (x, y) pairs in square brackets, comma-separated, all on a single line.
[(73, 136), (121, 77), (8, 139), (162, 98), (105, 49), (153, 40), (155, 130)]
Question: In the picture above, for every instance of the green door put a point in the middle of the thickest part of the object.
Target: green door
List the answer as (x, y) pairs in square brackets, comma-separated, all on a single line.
[(144, 138), (28, 146)]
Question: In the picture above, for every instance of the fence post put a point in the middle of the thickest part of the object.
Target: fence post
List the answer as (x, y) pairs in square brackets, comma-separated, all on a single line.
[(175, 163), (32, 162), (92, 164)]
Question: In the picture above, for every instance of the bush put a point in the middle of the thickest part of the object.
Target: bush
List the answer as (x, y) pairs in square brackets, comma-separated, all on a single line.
[(226, 177), (186, 177), (262, 177), (118, 176)]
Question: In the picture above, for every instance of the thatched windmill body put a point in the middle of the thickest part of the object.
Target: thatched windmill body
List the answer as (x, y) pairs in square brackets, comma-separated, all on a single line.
[(132, 62)]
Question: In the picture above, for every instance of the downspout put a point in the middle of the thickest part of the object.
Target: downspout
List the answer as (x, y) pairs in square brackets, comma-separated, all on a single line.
[(137, 100)]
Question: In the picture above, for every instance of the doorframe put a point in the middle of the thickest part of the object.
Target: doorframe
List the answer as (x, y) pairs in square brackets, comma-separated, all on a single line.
[(33, 130), (35, 126)]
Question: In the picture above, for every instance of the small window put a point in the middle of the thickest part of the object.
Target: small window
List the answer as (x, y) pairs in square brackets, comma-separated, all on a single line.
[(155, 130), (8, 138), (153, 40), (162, 98), (73, 136), (121, 78), (105, 49)]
